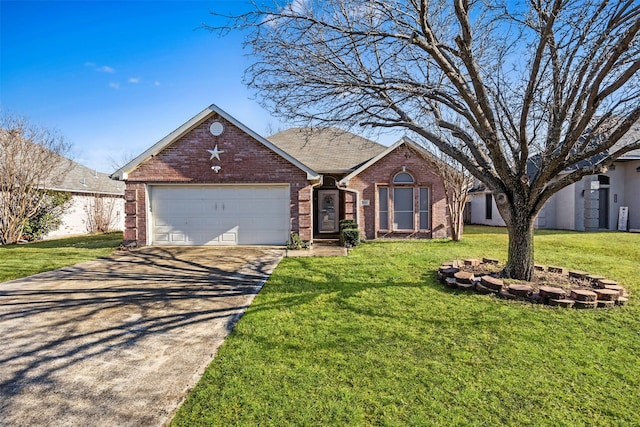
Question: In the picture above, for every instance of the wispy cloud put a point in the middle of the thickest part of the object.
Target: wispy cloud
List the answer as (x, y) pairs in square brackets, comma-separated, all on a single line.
[(114, 85), (134, 80), (293, 8), (156, 83), (101, 68), (106, 69)]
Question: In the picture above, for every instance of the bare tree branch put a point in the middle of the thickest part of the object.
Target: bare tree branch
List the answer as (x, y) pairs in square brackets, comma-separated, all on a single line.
[(498, 86)]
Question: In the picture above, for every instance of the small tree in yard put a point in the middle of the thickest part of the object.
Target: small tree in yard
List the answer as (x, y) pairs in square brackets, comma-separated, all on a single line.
[(100, 214), (457, 182), (555, 82), (31, 161)]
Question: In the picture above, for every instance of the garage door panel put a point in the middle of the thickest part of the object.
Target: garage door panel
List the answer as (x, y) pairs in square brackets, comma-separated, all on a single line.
[(208, 215)]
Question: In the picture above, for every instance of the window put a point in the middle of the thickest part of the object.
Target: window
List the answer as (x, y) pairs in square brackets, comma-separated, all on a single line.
[(383, 208), (403, 208), (488, 208), (403, 178), (424, 209)]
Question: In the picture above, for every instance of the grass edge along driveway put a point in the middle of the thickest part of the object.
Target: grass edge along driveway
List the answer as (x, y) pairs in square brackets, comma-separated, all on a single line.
[(373, 339), (24, 260)]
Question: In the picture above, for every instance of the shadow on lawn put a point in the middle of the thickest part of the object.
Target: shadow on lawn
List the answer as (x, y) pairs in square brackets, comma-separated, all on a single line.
[(59, 319)]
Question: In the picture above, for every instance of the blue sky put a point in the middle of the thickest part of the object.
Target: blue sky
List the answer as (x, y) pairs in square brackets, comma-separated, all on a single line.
[(114, 77)]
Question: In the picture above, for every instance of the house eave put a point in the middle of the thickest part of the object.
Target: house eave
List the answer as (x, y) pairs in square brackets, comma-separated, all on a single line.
[(404, 140), (122, 174), (86, 191)]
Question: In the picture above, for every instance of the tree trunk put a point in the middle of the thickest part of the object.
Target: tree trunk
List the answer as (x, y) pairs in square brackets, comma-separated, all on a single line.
[(520, 258), (457, 225)]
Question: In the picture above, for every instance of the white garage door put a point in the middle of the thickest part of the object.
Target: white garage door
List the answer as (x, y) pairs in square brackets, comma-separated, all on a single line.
[(221, 215)]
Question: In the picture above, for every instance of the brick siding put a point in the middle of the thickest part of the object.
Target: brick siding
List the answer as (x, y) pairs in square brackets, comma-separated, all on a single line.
[(381, 174), (243, 160)]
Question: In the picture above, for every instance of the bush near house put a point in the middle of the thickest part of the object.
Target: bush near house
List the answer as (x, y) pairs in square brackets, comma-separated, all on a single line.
[(349, 232), (48, 217)]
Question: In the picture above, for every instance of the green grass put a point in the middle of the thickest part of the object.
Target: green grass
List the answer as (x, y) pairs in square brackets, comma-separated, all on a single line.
[(373, 339), (24, 260)]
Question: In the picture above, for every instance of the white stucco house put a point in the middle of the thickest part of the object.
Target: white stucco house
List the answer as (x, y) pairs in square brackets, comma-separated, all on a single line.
[(94, 198), (593, 203)]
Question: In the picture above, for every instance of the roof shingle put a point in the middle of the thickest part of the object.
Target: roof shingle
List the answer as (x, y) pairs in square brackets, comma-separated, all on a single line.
[(327, 150)]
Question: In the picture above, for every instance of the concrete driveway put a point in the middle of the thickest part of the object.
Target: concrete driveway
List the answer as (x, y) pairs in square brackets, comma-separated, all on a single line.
[(120, 341)]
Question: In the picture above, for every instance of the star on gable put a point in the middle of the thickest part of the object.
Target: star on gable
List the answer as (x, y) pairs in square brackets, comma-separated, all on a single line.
[(215, 153)]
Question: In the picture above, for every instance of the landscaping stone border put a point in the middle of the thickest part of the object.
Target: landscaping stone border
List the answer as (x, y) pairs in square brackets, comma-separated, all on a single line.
[(602, 292)]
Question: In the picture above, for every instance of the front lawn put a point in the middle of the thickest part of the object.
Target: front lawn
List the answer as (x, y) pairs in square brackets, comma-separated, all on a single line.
[(24, 260), (374, 339)]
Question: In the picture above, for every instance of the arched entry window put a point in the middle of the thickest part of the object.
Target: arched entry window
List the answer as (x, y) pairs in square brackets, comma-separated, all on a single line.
[(403, 178), (328, 181)]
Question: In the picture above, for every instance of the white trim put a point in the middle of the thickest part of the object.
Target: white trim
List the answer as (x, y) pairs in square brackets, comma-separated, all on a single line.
[(123, 173), (404, 140)]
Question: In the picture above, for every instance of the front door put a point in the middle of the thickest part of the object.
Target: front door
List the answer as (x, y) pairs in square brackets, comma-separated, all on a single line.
[(603, 209), (328, 211)]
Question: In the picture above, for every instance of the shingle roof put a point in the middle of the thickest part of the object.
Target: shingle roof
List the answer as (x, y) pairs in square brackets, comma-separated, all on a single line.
[(633, 135), (68, 175), (327, 150), (81, 179)]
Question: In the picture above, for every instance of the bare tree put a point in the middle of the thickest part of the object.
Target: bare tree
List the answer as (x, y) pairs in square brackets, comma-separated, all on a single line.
[(31, 160), (553, 82), (101, 212), (457, 182)]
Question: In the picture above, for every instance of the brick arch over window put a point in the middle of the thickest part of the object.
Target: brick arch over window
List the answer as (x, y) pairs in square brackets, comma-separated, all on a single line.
[(403, 205)]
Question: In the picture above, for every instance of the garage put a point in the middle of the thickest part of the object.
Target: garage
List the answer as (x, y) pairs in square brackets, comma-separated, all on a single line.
[(219, 215)]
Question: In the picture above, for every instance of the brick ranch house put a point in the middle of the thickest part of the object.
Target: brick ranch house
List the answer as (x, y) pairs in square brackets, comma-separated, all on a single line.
[(214, 181)]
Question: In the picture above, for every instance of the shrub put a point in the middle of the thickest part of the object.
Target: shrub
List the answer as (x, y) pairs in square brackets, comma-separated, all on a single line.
[(349, 234), (295, 242), (48, 217), (347, 223)]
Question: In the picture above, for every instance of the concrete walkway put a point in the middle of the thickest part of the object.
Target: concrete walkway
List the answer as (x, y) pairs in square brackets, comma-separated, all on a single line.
[(119, 342), (318, 249)]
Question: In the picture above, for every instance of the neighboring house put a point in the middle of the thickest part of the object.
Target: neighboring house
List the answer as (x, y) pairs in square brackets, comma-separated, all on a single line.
[(213, 181), (592, 203), (97, 202)]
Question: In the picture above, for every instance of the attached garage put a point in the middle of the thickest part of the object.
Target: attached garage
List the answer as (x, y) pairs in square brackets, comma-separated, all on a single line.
[(219, 214), (214, 181)]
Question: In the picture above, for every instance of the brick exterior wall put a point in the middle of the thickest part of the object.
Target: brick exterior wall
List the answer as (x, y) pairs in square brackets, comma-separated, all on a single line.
[(243, 160), (381, 174)]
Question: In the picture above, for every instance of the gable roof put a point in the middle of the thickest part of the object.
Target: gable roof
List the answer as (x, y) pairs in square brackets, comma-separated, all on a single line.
[(327, 150), (123, 172), (80, 179), (405, 140), (63, 174)]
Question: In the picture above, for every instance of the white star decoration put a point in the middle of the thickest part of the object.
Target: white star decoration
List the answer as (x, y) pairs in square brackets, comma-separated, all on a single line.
[(215, 153)]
